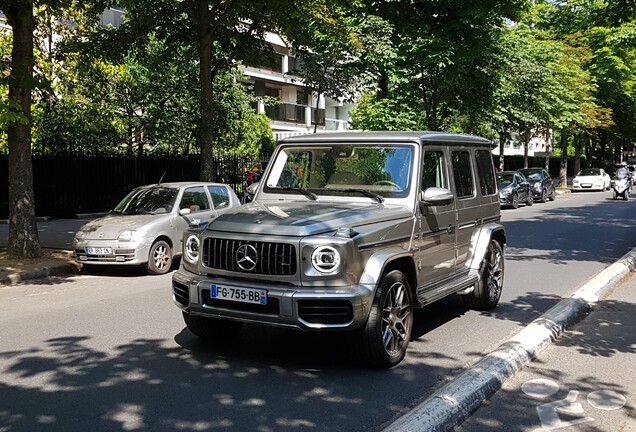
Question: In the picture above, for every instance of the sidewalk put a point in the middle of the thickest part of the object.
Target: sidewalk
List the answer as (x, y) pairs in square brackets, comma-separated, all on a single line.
[(51, 262), (585, 381), (457, 401)]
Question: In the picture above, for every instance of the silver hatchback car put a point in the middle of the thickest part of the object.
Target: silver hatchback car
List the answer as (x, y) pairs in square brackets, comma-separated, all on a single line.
[(146, 227)]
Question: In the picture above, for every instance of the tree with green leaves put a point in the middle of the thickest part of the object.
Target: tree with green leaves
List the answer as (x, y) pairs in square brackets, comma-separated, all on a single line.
[(220, 32)]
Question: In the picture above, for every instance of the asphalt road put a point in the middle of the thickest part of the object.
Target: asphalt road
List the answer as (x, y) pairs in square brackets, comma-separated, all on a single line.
[(110, 351)]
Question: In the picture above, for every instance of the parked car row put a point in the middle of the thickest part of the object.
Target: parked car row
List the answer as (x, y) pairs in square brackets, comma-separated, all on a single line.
[(525, 186)]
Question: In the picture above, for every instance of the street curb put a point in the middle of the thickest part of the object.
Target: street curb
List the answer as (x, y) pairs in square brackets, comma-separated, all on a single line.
[(455, 402), (39, 273)]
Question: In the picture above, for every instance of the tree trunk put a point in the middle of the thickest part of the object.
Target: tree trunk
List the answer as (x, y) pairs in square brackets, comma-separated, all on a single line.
[(206, 163), (23, 239), (578, 148), (526, 143), (502, 142), (563, 166)]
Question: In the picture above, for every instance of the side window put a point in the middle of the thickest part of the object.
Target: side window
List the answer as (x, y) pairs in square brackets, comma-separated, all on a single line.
[(195, 199), (486, 172), (463, 174), (220, 197), (434, 171)]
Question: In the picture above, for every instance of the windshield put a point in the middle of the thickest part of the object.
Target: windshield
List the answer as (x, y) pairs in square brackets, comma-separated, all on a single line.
[(148, 201), (590, 172), (532, 174), (504, 178), (342, 169)]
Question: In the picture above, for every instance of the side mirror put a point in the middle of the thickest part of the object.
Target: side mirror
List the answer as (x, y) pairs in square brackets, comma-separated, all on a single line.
[(435, 196), (251, 189), (184, 211)]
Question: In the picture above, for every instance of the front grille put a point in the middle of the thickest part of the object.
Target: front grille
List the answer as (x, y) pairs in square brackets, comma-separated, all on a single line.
[(278, 259), (181, 293), (271, 308), (325, 311)]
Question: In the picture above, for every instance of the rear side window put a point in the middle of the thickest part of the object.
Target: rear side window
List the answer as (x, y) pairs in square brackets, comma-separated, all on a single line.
[(463, 174), (220, 196), (486, 172)]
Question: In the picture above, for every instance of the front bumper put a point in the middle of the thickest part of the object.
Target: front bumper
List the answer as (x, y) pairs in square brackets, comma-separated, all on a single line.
[(133, 253), (588, 186), (290, 306), (505, 200)]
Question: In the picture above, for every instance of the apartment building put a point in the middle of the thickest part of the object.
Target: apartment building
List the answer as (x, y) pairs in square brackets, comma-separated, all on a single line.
[(298, 111)]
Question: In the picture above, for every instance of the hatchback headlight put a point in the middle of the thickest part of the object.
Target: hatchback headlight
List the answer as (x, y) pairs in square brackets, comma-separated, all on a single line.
[(126, 236), (191, 248), (80, 235), (537, 186), (325, 259)]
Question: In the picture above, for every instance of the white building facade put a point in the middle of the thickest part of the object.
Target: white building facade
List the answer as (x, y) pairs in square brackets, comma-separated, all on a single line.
[(298, 111)]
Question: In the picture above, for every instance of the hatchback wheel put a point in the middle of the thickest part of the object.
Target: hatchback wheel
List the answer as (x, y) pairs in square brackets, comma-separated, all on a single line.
[(515, 201), (159, 258), (530, 200), (544, 196)]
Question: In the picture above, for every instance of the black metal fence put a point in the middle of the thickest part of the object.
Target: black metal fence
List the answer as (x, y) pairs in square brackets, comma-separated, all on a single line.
[(68, 185)]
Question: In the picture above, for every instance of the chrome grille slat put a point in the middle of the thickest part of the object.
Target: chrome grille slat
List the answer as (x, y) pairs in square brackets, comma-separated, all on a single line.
[(278, 259)]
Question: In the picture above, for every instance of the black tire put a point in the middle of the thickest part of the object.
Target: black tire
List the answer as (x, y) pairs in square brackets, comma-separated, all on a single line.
[(615, 195), (515, 201), (626, 195), (530, 200), (544, 196), (159, 258), (211, 329), (552, 196), (488, 291), (383, 341)]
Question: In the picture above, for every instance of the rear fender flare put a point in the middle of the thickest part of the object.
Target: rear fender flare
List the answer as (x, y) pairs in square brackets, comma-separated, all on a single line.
[(481, 240)]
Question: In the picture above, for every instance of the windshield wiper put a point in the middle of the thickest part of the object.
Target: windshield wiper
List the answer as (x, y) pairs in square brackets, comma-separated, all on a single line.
[(303, 191), (368, 193)]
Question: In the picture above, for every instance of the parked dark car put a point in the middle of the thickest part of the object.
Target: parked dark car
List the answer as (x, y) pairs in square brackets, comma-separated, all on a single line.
[(541, 184), (513, 189)]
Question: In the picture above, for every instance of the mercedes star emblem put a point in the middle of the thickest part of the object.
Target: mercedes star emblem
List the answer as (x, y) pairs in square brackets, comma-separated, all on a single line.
[(246, 257)]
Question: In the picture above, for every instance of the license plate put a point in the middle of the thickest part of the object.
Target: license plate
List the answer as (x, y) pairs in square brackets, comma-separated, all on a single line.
[(244, 295), (586, 184), (99, 250)]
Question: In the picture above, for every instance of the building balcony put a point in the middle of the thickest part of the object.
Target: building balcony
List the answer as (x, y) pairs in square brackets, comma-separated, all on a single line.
[(292, 113)]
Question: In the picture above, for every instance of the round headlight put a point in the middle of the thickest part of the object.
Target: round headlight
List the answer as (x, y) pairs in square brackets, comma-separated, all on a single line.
[(325, 259), (192, 248)]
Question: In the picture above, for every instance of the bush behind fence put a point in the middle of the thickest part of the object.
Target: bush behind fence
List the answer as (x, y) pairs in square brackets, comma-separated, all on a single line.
[(65, 186)]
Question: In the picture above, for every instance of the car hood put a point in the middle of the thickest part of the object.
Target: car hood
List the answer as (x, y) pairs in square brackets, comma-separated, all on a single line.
[(589, 178), (304, 218), (111, 226), (504, 186)]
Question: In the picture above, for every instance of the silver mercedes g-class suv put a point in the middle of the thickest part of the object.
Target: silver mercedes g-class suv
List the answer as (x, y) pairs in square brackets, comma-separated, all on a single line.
[(350, 231)]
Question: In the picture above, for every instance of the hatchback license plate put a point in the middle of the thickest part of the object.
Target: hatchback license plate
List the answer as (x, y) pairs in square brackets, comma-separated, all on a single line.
[(244, 295), (99, 250)]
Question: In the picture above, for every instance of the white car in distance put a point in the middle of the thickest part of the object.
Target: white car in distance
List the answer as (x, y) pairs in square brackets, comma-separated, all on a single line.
[(591, 179)]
